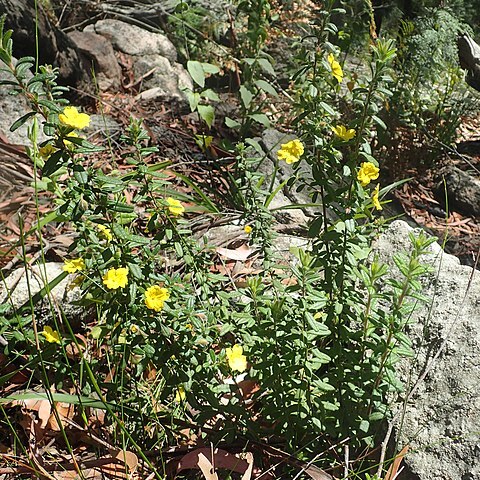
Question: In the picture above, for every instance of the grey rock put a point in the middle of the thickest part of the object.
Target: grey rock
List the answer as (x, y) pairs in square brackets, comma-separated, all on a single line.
[(20, 284), (441, 421), (154, 59), (99, 50), (104, 125), (463, 191), (12, 107), (134, 40), (166, 81)]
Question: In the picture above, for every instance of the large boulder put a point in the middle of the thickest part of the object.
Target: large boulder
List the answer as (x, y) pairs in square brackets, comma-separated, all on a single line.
[(440, 419), (153, 56), (33, 26), (22, 283)]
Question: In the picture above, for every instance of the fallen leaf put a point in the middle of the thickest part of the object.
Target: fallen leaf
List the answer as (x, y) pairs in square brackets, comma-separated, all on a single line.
[(123, 464), (221, 460), (64, 410), (393, 470), (241, 253), (206, 467)]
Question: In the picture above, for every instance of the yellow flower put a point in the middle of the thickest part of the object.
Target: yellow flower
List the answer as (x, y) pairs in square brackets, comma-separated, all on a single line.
[(291, 151), (105, 232), (180, 394), (116, 278), (51, 335), (155, 297), (337, 71), (47, 150), (341, 132), (376, 202), (368, 172), (236, 359), (247, 229), (175, 206), (75, 265), (73, 118)]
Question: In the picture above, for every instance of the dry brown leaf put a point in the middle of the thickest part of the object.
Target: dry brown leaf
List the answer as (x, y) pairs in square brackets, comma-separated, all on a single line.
[(240, 254), (64, 410), (221, 460), (393, 470), (206, 467), (249, 458), (123, 465)]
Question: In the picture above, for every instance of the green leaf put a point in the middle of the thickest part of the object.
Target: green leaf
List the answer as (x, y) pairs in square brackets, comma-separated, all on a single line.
[(119, 207), (44, 291), (327, 108), (52, 106), (207, 113), (64, 398), (246, 96), (18, 123), (193, 99), (230, 123), (266, 87), (209, 68), (379, 122), (260, 118), (80, 174), (210, 94), (364, 426), (196, 71), (266, 66), (52, 164)]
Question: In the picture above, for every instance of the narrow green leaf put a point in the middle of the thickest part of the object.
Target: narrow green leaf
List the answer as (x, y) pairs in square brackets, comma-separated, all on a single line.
[(53, 163), (18, 123), (266, 65), (209, 68)]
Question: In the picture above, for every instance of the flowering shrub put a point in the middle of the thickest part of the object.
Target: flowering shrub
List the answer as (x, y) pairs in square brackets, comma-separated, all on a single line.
[(322, 335)]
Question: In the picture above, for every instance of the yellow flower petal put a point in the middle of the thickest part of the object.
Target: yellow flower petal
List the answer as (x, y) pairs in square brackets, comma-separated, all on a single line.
[(341, 132), (247, 229), (376, 202), (337, 71), (74, 265), (51, 335), (175, 206), (236, 360), (47, 150), (73, 118), (116, 278), (155, 297), (105, 232), (368, 172), (291, 151), (180, 394)]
